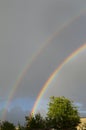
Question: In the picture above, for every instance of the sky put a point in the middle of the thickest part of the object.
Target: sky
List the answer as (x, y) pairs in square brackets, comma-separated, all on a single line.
[(35, 37)]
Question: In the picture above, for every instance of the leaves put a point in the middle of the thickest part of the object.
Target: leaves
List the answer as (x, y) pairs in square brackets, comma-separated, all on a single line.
[(63, 113), (35, 121), (5, 125)]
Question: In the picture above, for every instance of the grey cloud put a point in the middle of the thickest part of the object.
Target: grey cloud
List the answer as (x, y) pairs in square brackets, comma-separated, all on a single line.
[(50, 58), (24, 28), (17, 115), (71, 81)]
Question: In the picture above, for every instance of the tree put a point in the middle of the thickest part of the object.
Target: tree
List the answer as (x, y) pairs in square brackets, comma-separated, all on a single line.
[(5, 125), (62, 114), (20, 127), (34, 122)]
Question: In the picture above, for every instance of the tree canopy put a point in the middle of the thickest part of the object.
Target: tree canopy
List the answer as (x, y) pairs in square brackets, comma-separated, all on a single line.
[(5, 125), (62, 114), (34, 121)]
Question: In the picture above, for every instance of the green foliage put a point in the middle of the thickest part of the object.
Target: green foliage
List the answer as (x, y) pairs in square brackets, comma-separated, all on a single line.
[(20, 127), (62, 114), (34, 122), (5, 125)]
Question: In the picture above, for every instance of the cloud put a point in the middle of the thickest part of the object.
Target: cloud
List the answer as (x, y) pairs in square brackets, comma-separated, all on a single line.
[(16, 115), (25, 27), (50, 58), (71, 81)]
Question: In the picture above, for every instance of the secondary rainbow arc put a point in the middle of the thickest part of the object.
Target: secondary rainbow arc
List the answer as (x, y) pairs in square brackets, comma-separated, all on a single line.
[(28, 64)]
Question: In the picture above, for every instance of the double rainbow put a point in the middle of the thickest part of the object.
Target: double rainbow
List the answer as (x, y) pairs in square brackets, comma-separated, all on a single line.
[(34, 57)]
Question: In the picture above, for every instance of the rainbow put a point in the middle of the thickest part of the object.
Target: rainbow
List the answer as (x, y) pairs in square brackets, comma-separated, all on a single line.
[(34, 57), (54, 74)]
